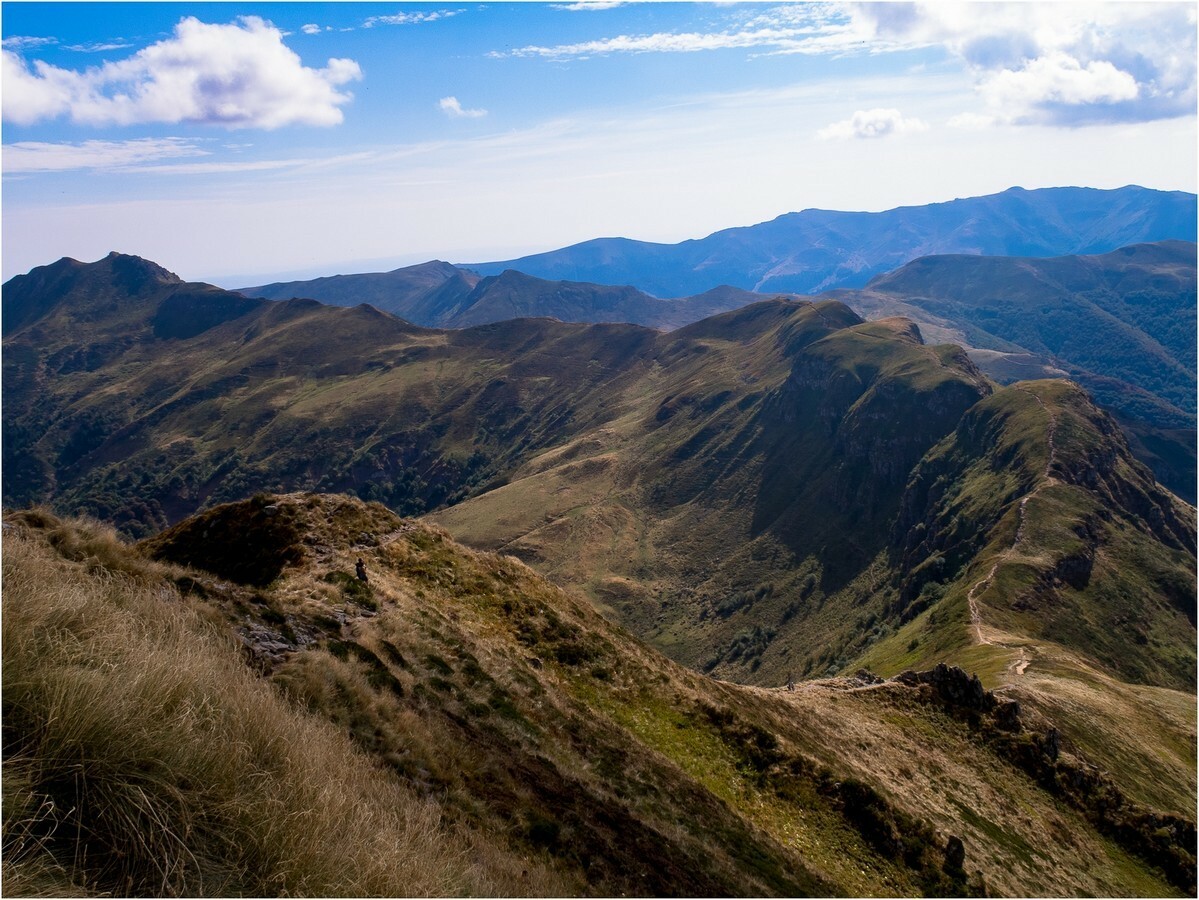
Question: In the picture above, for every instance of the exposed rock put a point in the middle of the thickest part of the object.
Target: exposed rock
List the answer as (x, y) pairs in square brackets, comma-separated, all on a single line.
[(954, 685), (865, 676), (1007, 716)]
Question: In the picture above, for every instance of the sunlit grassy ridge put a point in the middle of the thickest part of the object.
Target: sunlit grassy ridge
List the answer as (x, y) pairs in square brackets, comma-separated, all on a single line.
[(497, 725), (142, 757)]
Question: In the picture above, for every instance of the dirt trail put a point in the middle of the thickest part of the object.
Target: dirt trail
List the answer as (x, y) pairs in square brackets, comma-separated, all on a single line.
[(1018, 666)]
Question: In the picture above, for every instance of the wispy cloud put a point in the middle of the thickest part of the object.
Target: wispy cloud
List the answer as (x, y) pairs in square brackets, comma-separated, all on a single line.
[(37, 156), (239, 75), (412, 18), (801, 28), (588, 5), (98, 47), (20, 42), (452, 108), (312, 29), (871, 123)]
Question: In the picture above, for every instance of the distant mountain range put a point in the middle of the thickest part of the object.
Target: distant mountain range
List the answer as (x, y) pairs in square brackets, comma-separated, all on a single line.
[(439, 295), (817, 250)]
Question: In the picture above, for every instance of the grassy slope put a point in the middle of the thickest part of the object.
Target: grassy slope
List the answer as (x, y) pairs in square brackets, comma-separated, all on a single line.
[(535, 728), (753, 475), (1121, 324), (141, 756), (1061, 573)]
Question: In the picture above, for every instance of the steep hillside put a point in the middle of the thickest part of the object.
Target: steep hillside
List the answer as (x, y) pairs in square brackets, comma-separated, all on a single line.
[(547, 742), (110, 414), (1119, 319), (439, 295), (818, 250), (1121, 324)]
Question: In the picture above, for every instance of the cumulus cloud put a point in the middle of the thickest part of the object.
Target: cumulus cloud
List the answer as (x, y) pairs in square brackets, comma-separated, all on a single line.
[(239, 75), (1055, 63), (413, 18), (452, 108), (310, 29), (871, 123), (36, 156), (1058, 79)]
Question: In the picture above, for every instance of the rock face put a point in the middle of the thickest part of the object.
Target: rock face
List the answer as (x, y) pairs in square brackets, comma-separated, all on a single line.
[(954, 686)]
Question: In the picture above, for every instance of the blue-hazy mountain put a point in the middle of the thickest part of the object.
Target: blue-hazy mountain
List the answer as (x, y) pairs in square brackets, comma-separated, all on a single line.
[(816, 250), (438, 295)]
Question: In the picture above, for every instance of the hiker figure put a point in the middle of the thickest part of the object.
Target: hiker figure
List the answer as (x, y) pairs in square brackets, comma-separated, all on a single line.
[(790, 682), (360, 567)]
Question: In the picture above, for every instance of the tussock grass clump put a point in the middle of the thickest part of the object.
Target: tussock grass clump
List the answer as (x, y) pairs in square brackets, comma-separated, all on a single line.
[(141, 757)]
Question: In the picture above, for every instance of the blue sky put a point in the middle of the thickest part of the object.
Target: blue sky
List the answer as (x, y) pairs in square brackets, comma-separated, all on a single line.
[(239, 142)]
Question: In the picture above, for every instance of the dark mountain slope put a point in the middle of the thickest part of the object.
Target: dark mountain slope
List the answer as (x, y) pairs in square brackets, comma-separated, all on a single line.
[(539, 736), (1122, 324), (1127, 316), (817, 250), (281, 395), (727, 489), (439, 295)]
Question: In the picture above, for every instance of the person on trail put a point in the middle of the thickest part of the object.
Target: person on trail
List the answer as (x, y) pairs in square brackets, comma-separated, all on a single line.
[(360, 568), (790, 682)]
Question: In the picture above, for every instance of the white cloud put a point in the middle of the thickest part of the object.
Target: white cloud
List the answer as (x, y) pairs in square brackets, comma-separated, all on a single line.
[(1055, 63), (36, 156), (588, 5), (24, 42), (239, 75), (811, 28), (1032, 63), (310, 29), (871, 123), (97, 48), (666, 42), (414, 18), (1057, 79), (452, 108), (970, 121)]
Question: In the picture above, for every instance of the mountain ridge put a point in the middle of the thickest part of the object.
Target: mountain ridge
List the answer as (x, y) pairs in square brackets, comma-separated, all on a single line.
[(816, 250), (438, 295)]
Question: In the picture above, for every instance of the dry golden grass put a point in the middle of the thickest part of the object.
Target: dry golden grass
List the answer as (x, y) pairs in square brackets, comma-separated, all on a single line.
[(143, 757)]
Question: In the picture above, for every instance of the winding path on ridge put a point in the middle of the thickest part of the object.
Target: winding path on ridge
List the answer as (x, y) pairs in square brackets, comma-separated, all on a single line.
[(1047, 478)]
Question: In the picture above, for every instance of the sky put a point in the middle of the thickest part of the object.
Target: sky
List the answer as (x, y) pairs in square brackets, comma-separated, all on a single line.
[(240, 143)]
